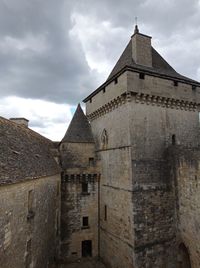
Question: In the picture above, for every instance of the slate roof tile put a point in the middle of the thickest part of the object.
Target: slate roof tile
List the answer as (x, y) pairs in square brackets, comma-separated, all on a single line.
[(24, 154), (79, 129)]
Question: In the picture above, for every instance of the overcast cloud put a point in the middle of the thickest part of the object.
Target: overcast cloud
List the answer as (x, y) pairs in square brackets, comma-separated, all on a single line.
[(55, 53)]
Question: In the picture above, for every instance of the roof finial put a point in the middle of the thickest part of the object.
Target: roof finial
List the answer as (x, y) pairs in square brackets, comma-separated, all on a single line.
[(136, 26)]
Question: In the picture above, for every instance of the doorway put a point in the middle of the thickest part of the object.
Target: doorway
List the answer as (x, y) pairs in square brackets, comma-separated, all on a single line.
[(87, 248), (184, 257)]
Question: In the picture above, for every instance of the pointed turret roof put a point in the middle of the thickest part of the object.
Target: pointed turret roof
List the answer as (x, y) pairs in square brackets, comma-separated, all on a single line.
[(159, 67), (79, 129)]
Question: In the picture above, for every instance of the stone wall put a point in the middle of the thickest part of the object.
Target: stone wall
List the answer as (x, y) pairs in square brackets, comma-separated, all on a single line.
[(111, 91), (140, 122), (161, 87), (152, 130), (116, 223), (185, 165), (75, 205), (29, 223), (80, 169)]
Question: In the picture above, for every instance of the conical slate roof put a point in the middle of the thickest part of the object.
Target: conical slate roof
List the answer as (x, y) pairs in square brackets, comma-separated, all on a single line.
[(79, 129)]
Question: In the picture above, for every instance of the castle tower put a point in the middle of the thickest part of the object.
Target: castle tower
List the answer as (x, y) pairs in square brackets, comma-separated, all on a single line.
[(79, 191), (142, 109)]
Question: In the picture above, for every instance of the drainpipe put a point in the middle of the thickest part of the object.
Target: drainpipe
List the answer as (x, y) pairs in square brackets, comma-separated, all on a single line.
[(99, 216)]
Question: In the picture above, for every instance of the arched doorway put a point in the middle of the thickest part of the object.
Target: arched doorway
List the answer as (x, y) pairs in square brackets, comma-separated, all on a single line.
[(184, 257)]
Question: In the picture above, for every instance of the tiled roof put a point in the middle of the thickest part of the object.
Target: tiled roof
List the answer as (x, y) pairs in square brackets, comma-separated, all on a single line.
[(159, 68), (159, 65), (24, 154), (79, 129)]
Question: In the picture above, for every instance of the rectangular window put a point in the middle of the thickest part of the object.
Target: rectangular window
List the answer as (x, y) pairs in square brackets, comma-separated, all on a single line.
[(175, 83), (116, 81), (91, 100), (141, 75), (193, 87), (104, 90), (105, 212), (84, 187), (85, 222)]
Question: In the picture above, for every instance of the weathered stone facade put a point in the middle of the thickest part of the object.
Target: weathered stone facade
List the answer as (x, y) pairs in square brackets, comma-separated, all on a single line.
[(185, 172), (129, 178), (79, 191), (29, 234), (144, 108), (29, 198)]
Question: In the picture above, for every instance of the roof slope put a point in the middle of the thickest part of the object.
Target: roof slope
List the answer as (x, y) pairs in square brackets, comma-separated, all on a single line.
[(79, 129), (24, 154), (159, 65)]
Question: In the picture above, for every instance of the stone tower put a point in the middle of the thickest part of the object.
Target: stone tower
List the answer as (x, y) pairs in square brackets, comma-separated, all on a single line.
[(79, 190), (141, 117)]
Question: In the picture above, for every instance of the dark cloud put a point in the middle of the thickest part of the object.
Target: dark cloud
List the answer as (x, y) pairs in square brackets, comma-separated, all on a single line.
[(37, 57), (40, 57), (174, 25)]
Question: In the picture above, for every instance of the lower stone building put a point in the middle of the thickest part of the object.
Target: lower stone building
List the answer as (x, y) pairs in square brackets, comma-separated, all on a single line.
[(29, 198)]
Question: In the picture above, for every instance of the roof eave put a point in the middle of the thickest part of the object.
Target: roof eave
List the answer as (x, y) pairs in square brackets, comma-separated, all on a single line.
[(135, 69)]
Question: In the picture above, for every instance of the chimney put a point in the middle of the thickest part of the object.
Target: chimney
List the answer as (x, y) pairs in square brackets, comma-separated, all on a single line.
[(141, 48), (20, 120)]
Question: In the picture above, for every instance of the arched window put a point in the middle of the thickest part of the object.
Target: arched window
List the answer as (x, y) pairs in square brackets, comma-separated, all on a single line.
[(173, 139), (183, 257), (104, 139)]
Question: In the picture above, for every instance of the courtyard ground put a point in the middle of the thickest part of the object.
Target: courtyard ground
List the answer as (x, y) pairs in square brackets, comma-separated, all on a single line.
[(83, 264)]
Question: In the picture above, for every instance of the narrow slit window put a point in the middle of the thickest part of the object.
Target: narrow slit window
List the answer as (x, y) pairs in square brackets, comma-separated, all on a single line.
[(31, 213), (105, 212), (58, 188), (30, 201), (173, 139)]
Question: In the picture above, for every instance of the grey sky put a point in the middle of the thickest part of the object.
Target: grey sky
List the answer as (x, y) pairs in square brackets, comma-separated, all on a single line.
[(60, 51)]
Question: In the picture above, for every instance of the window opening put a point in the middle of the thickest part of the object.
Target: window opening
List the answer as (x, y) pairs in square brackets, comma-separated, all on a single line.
[(141, 75), (85, 222), (91, 161), (84, 187), (105, 212), (87, 248), (175, 83), (173, 139)]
